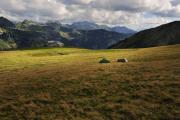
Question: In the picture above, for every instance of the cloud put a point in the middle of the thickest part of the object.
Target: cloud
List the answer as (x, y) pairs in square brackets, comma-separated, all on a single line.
[(175, 2), (113, 12)]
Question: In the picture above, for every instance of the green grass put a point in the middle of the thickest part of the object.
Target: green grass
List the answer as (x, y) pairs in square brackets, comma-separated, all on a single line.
[(70, 84)]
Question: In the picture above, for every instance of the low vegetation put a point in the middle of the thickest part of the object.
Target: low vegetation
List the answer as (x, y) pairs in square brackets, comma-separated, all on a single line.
[(70, 84)]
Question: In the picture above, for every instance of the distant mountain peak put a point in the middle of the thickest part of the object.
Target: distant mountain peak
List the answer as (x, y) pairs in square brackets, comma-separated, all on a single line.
[(4, 22), (87, 25), (54, 23), (122, 29), (1, 17), (84, 25), (29, 22), (84, 22)]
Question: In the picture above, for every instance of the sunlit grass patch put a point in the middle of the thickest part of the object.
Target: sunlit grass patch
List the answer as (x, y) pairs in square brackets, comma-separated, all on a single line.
[(69, 83)]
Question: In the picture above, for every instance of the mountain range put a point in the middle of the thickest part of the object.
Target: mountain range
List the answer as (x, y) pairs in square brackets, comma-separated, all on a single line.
[(30, 34), (167, 34), (86, 25)]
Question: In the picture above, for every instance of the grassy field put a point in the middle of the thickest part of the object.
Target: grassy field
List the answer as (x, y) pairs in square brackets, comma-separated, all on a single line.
[(70, 84)]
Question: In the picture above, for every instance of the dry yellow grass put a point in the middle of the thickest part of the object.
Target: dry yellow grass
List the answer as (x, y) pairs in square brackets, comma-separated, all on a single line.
[(70, 84)]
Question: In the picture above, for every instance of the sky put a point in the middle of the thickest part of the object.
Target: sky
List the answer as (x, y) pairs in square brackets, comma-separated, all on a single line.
[(136, 14)]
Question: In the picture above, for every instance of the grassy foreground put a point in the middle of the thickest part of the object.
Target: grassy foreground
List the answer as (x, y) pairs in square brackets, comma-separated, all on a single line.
[(70, 84)]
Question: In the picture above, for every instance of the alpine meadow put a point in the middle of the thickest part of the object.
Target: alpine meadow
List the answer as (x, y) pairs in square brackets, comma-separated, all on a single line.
[(89, 60)]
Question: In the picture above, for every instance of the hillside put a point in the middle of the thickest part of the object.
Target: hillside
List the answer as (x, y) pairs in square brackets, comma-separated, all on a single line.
[(69, 83), (167, 34), (96, 39)]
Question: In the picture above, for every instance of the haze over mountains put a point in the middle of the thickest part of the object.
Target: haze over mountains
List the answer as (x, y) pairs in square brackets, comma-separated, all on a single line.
[(30, 34)]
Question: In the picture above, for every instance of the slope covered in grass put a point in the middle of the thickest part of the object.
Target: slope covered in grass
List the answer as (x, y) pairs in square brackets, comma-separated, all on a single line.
[(70, 84), (167, 34)]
